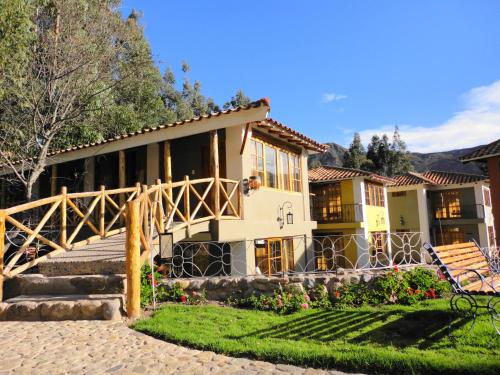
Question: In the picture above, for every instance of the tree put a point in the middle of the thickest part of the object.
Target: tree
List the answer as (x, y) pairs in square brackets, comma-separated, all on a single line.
[(400, 162), (238, 100), (82, 57), (355, 156)]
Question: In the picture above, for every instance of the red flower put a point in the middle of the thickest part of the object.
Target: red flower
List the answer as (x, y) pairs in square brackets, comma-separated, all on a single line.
[(154, 282), (183, 298), (337, 294), (150, 276), (418, 291), (396, 269)]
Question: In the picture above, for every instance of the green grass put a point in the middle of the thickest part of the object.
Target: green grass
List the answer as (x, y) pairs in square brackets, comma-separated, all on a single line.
[(389, 339)]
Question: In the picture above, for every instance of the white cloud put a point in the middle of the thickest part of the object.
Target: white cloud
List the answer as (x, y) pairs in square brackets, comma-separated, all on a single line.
[(478, 123), (329, 97)]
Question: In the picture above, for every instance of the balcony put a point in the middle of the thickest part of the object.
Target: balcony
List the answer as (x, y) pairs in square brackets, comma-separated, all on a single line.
[(344, 213), (456, 212)]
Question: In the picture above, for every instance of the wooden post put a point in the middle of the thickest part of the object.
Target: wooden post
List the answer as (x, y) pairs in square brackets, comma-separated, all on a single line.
[(145, 221), (121, 175), (159, 208), (63, 207), (102, 211), (133, 259), (53, 181), (214, 160), (167, 166), (2, 244), (187, 205)]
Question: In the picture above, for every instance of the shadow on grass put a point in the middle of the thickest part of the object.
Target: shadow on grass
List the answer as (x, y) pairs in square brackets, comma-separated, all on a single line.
[(402, 329)]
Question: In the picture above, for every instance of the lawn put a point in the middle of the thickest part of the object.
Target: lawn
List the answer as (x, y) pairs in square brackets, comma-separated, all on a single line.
[(390, 339)]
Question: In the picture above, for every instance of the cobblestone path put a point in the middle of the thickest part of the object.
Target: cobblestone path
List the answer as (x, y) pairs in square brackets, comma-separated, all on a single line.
[(100, 347)]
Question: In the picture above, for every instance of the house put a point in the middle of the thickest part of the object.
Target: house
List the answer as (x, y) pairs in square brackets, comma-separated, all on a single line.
[(491, 155), (446, 207), (255, 197), (349, 206)]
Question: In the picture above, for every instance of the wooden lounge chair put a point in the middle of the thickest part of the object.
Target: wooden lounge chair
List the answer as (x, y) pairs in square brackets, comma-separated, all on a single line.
[(471, 273)]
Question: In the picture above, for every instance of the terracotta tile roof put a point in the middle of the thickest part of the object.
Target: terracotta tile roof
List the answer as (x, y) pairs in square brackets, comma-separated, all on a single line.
[(326, 174), (436, 178), (256, 104), (291, 135), (492, 149)]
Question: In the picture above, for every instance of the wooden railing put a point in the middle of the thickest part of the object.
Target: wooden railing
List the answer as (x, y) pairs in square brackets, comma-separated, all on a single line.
[(72, 220)]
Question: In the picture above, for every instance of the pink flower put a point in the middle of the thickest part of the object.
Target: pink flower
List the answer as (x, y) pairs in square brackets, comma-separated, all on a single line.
[(306, 297), (150, 276), (196, 294), (304, 306)]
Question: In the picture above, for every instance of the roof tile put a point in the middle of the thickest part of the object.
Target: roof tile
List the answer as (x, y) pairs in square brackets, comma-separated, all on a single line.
[(484, 152)]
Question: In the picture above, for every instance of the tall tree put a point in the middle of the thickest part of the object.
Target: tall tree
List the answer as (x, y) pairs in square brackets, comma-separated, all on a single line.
[(238, 100), (77, 63), (400, 162), (355, 156)]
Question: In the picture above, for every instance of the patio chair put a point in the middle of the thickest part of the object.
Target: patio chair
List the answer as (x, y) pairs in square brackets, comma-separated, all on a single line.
[(470, 274)]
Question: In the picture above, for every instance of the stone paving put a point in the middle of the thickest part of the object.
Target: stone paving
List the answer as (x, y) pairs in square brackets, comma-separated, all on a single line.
[(100, 347)]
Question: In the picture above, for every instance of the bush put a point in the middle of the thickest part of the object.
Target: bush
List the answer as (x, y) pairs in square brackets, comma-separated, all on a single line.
[(163, 294)]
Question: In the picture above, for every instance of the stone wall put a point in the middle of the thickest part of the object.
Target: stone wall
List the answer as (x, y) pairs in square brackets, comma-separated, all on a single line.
[(221, 288)]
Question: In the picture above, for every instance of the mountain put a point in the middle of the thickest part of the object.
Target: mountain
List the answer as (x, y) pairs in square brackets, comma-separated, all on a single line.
[(439, 161)]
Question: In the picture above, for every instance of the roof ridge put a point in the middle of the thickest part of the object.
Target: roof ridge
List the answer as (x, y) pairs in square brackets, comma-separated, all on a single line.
[(458, 173)]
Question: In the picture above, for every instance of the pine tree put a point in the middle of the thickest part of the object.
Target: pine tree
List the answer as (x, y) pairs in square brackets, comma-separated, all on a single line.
[(238, 100), (400, 162), (355, 156)]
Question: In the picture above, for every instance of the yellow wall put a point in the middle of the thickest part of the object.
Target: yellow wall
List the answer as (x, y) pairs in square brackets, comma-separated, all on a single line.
[(347, 192), (406, 206), (375, 219)]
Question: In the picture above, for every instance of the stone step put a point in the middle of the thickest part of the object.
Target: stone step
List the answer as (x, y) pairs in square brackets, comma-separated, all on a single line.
[(38, 284), (62, 307)]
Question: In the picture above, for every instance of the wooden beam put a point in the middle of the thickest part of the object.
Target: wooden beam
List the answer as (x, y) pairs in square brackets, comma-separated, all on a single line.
[(53, 181), (133, 259), (244, 139), (167, 166), (214, 161), (63, 211), (121, 175)]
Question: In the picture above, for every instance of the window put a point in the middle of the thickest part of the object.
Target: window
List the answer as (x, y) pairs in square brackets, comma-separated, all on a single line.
[(449, 236), (271, 168), (328, 257), (374, 194), (378, 241), (284, 171), (398, 194), (275, 255), (487, 197), (257, 154), (277, 167), (491, 237), (447, 204), (327, 203)]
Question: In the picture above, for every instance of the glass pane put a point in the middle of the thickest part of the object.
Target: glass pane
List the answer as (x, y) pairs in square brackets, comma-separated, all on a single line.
[(285, 173), (271, 167)]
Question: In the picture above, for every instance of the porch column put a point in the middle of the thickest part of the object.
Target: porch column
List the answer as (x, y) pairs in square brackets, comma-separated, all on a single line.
[(121, 175), (167, 166), (214, 162), (153, 163), (89, 176), (53, 181)]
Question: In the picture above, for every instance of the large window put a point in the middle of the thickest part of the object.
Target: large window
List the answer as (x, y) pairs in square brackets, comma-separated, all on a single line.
[(274, 256), (447, 204), (277, 167), (487, 197), (327, 203), (374, 194)]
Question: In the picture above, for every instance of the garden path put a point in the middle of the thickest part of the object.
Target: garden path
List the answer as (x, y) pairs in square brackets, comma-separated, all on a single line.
[(103, 347)]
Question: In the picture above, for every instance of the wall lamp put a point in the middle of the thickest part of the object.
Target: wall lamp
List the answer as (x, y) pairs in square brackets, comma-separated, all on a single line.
[(281, 216)]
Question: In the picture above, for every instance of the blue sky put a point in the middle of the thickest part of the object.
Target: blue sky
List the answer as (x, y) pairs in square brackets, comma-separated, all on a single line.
[(334, 67)]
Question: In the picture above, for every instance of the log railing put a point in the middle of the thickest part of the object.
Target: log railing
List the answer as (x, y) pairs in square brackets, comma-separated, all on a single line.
[(68, 221)]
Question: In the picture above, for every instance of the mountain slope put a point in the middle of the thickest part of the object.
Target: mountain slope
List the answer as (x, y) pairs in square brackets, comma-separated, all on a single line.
[(440, 161)]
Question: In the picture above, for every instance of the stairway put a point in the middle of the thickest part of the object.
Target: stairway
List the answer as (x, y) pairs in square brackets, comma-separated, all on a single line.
[(84, 284)]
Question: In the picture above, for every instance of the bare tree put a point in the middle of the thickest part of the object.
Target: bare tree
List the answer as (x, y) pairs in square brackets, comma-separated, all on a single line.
[(73, 68)]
